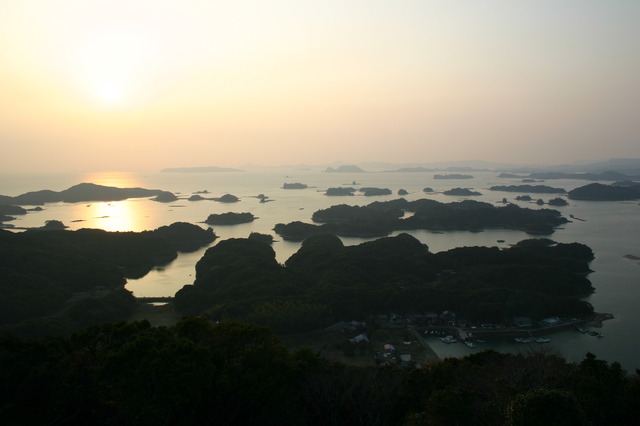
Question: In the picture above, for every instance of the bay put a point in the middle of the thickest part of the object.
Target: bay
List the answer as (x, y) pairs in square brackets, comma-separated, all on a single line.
[(611, 229)]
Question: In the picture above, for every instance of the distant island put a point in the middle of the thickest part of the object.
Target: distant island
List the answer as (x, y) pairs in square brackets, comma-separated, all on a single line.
[(534, 189), (229, 218), (463, 192), (210, 169), (344, 169), (453, 176), (370, 192), (600, 192), (83, 192), (608, 175), (381, 218), (340, 192), (295, 185)]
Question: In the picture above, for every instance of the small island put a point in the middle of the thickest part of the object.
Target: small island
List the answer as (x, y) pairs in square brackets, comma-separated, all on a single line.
[(210, 169), (533, 189), (229, 218), (340, 192), (227, 198), (558, 202), (370, 192), (295, 185), (165, 197), (344, 169), (453, 176), (463, 192)]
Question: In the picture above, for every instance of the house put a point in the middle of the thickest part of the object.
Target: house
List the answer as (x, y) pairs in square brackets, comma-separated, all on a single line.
[(550, 322), (360, 338), (522, 322)]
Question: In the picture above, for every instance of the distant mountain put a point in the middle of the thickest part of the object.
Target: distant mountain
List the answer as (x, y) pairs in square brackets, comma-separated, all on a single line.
[(626, 166), (80, 193), (210, 169), (344, 169)]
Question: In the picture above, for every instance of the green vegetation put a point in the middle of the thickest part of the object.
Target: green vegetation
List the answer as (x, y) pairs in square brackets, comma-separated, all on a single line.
[(54, 281), (535, 189), (229, 218), (381, 218), (196, 372), (324, 282)]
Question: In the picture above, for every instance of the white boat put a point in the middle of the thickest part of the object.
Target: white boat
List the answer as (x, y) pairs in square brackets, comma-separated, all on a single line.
[(449, 339), (523, 340), (469, 344), (542, 340)]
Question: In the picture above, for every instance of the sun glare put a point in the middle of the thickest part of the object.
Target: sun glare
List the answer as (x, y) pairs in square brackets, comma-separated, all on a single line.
[(112, 61), (110, 94)]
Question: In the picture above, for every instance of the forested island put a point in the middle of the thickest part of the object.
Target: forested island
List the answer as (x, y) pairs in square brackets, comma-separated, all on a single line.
[(229, 218), (461, 192), (55, 281), (453, 176), (326, 281), (83, 192), (600, 192), (381, 218), (533, 189)]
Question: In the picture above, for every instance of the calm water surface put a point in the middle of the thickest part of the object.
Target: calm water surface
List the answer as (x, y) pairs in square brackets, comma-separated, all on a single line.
[(611, 229)]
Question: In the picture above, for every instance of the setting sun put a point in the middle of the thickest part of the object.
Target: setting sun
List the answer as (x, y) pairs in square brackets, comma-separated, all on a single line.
[(112, 61)]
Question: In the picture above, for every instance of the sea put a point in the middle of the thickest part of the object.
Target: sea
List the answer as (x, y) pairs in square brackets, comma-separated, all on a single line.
[(611, 229)]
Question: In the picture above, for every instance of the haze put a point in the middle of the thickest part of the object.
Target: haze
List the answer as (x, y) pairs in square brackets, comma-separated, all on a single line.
[(144, 85)]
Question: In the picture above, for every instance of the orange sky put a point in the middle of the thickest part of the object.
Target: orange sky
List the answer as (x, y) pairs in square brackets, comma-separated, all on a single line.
[(144, 85)]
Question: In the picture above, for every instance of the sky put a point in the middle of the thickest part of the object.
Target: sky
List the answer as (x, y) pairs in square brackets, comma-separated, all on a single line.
[(90, 85)]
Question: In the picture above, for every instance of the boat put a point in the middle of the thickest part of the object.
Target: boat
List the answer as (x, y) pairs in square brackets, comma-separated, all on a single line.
[(542, 340), (469, 344), (523, 340), (449, 339), (582, 329), (595, 334)]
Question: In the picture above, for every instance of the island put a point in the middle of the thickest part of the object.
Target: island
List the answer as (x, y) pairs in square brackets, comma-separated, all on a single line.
[(264, 238), (402, 192), (370, 192), (325, 281), (463, 192), (340, 192), (453, 176), (558, 202), (83, 192), (295, 185), (165, 197), (534, 189), (57, 281), (344, 169), (227, 198), (601, 192), (381, 218), (229, 218), (210, 169)]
